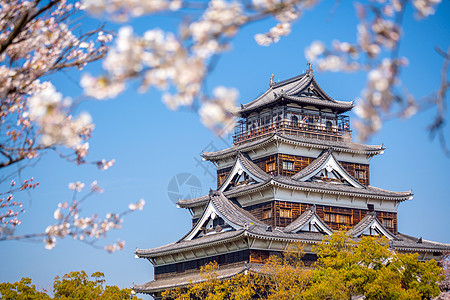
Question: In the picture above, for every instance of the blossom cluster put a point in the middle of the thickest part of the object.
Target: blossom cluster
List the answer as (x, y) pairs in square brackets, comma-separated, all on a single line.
[(118, 245), (36, 40), (217, 112), (285, 12), (121, 10), (10, 209), (178, 63), (85, 229), (374, 52), (48, 110)]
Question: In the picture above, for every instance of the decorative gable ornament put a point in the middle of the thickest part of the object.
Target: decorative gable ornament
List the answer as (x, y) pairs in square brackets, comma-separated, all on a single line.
[(206, 224), (315, 224), (370, 226), (327, 166), (309, 221), (243, 171)]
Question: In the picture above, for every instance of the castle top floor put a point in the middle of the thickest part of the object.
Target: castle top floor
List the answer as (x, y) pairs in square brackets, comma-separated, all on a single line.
[(296, 106)]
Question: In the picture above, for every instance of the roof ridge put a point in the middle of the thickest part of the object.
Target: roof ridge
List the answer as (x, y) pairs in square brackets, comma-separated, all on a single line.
[(384, 190), (225, 203), (289, 80), (370, 217), (253, 167), (313, 165), (303, 218), (324, 144)]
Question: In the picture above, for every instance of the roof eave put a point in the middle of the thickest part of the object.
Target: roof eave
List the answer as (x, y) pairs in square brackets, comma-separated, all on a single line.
[(211, 157), (188, 248), (399, 198)]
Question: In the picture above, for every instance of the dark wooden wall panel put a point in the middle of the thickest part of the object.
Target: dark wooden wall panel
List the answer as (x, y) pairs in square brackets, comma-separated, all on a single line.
[(359, 171), (353, 215)]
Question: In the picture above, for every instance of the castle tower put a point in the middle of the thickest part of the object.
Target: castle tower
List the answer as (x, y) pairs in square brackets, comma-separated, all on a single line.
[(293, 174)]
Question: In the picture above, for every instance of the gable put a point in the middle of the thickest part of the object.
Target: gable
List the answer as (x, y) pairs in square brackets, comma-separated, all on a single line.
[(239, 175), (370, 226), (212, 221), (314, 224), (330, 170), (376, 229), (308, 221)]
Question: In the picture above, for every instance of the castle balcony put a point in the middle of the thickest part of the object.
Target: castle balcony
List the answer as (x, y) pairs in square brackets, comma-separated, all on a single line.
[(310, 126)]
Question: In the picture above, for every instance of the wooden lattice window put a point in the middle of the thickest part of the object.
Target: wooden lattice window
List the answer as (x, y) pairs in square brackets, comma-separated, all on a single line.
[(337, 218), (389, 223), (360, 174), (267, 214), (288, 165), (285, 213), (270, 166)]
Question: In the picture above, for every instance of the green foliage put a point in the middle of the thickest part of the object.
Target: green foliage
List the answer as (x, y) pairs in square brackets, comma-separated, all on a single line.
[(345, 268), (238, 287), (75, 285), (368, 267), (21, 290), (281, 278)]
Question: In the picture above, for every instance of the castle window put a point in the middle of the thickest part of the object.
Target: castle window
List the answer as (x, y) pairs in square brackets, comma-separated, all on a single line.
[(270, 166), (285, 213), (389, 223), (267, 214), (337, 218), (288, 165), (360, 174)]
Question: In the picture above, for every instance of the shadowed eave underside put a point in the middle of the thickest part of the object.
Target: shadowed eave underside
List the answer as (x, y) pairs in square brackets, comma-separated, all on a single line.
[(342, 146)]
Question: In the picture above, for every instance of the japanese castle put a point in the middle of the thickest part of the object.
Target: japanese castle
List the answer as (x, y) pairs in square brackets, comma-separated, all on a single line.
[(293, 174)]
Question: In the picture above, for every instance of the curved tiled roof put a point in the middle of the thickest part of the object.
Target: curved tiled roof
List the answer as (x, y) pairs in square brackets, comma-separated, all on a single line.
[(230, 193), (343, 146), (319, 187), (300, 221), (303, 219), (252, 167), (203, 241), (319, 102), (408, 243), (313, 165), (184, 279), (319, 162), (231, 211), (289, 90), (370, 217)]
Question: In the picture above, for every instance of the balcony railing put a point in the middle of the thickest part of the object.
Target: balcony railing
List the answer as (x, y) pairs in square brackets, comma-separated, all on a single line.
[(320, 131)]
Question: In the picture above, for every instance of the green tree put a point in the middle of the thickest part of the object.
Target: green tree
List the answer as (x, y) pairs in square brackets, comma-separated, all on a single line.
[(75, 285), (368, 267), (211, 287), (21, 290), (345, 268)]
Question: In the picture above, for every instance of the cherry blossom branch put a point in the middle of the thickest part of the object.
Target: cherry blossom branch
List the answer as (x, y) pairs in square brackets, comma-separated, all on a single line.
[(37, 46), (70, 224), (157, 56)]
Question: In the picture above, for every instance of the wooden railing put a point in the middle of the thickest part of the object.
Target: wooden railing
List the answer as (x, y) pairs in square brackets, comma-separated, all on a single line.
[(295, 128)]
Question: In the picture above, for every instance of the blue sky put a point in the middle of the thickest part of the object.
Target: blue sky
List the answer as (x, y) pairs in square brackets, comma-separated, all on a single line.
[(152, 144)]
